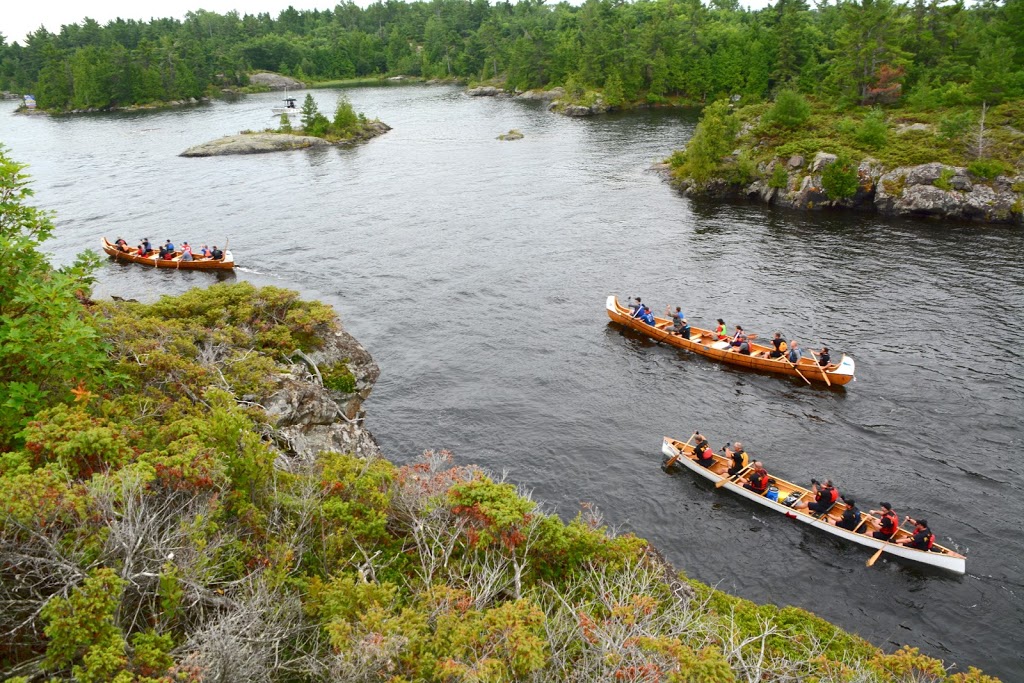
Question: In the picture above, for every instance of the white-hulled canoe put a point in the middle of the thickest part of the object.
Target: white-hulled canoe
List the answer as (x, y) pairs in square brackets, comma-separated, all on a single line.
[(197, 263), (703, 342), (938, 556)]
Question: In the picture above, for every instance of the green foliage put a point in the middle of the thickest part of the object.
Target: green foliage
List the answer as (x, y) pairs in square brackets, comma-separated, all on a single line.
[(942, 182), (286, 123), (779, 178), (989, 169), (48, 342), (339, 378), (873, 131), (712, 140), (790, 110), (953, 126), (839, 179), (310, 111), (345, 117), (81, 628)]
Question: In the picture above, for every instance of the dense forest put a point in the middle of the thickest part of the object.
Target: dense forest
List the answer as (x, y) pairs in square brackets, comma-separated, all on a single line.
[(855, 52)]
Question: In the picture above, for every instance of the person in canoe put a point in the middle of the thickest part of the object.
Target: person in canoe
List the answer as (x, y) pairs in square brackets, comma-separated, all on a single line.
[(851, 516), (758, 480), (186, 252), (824, 358), (216, 253), (636, 307), (825, 496), (780, 348), (740, 459), (204, 251), (121, 244), (720, 331), (702, 452), (741, 344), (923, 538), (679, 324), (888, 523), (146, 247), (794, 351)]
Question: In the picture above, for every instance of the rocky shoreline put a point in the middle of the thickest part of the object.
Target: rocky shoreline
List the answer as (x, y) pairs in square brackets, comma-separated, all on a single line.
[(261, 143), (933, 190)]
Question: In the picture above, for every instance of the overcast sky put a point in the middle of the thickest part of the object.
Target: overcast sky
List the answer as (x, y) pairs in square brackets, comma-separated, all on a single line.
[(21, 17)]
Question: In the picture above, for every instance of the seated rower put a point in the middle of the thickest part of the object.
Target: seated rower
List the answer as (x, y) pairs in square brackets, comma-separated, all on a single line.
[(740, 459), (186, 252), (121, 244), (923, 538), (741, 345), (648, 317), (825, 496), (888, 523), (824, 359), (736, 336), (146, 247), (780, 348), (702, 452), (794, 351), (758, 481), (216, 253), (679, 324), (851, 516), (204, 252), (720, 331), (637, 307)]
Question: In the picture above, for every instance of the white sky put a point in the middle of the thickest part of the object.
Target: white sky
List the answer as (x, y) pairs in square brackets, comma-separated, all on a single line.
[(18, 18), (21, 17)]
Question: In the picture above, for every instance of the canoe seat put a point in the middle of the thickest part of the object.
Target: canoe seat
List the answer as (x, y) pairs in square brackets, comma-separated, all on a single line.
[(720, 345)]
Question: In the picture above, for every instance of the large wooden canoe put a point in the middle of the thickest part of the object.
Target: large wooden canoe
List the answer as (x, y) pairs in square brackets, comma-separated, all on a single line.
[(938, 556), (226, 263), (703, 342)]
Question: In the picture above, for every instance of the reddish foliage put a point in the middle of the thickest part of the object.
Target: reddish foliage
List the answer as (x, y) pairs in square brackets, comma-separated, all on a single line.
[(886, 87)]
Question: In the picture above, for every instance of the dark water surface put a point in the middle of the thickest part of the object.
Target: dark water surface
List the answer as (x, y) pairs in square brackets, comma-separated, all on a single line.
[(475, 272)]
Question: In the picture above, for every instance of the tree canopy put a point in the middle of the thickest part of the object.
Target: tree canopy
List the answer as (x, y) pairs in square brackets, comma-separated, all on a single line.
[(853, 51)]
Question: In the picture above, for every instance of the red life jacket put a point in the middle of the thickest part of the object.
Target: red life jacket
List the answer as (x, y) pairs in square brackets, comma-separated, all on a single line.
[(889, 521), (929, 540), (705, 453), (828, 495), (759, 480)]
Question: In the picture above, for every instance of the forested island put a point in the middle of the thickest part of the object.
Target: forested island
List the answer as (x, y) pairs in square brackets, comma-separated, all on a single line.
[(188, 493)]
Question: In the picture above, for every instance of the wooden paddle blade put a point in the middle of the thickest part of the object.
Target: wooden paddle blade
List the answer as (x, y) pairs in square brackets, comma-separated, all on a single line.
[(874, 558)]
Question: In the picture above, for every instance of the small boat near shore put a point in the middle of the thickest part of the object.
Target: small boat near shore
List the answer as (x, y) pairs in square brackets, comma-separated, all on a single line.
[(704, 343), (679, 453), (198, 263)]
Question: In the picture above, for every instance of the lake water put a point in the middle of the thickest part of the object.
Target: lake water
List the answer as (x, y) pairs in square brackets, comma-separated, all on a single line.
[(475, 271)]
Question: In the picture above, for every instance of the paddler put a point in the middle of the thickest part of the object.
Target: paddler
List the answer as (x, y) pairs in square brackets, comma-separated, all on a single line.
[(702, 452), (922, 538), (758, 481), (740, 459), (888, 523)]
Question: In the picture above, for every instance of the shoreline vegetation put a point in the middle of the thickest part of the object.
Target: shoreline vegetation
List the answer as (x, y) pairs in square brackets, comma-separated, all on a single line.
[(962, 161), (186, 487)]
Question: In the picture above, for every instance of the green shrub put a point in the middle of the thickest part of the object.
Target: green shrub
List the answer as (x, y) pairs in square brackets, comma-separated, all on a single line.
[(779, 178), (847, 126), (840, 179), (345, 118), (942, 182), (338, 377), (988, 169), (712, 140), (873, 131), (953, 126), (790, 110), (286, 124)]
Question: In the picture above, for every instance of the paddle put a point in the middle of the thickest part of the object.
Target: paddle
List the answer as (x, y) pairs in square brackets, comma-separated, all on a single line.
[(672, 461), (823, 374), (722, 482), (793, 365), (874, 558)]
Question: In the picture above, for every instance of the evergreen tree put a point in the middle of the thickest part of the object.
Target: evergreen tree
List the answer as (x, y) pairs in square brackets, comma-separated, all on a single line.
[(309, 111)]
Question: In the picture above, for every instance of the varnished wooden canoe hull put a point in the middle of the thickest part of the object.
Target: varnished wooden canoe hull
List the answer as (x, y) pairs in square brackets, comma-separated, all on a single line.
[(939, 556), (226, 263), (701, 341)]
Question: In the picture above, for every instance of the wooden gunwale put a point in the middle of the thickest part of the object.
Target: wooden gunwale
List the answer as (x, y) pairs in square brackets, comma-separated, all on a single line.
[(702, 342), (226, 263), (939, 556)]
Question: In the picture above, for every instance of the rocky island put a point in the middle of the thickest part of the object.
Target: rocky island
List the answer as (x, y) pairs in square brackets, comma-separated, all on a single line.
[(346, 128), (960, 164)]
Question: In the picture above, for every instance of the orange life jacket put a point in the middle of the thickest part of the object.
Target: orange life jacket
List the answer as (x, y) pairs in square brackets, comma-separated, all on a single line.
[(759, 480), (889, 522)]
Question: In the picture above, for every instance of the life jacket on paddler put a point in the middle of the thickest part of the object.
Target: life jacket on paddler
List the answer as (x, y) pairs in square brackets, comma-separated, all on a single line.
[(924, 539), (705, 456), (888, 523), (780, 345), (759, 480), (827, 495), (740, 459)]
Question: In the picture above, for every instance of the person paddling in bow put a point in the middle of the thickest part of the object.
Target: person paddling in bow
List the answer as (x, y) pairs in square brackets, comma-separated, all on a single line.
[(702, 452), (922, 538)]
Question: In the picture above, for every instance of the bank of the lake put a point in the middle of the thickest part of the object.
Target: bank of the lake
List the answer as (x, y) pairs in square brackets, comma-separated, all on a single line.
[(958, 163)]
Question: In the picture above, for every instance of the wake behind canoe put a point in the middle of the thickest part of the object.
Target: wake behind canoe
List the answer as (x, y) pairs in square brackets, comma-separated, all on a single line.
[(703, 342)]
